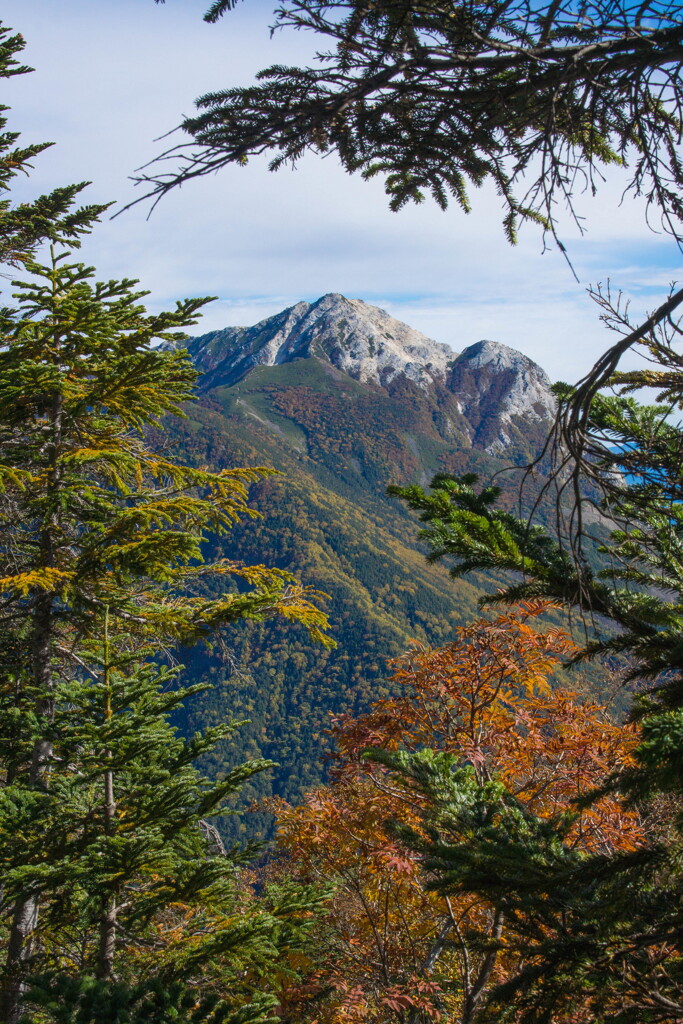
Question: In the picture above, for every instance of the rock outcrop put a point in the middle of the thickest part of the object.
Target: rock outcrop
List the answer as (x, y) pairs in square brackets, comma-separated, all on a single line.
[(495, 386), (359, 339), (492, 389)]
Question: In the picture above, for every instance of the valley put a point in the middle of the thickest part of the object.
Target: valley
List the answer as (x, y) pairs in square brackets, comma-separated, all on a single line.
[(313, 394)]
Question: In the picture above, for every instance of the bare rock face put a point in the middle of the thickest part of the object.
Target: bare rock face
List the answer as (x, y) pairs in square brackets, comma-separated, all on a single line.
[(528, 393), (360, 340), (495, 386), (494, 389)]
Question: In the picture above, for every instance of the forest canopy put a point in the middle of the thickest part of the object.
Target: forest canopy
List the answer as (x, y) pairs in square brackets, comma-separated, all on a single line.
[(487, 847)]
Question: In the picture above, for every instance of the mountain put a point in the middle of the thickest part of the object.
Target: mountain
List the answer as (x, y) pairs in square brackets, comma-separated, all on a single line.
[(358, 339), (487, 393), (343, 399)]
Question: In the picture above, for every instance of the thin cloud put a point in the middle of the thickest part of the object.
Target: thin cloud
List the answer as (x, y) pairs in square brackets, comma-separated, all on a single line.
[(111, 78)]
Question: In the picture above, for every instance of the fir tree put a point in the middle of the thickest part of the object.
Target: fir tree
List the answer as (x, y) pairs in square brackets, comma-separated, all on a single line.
[(95, 526), (51, 217), (94, 519), (124, 846), (606, 928), (436, 100)]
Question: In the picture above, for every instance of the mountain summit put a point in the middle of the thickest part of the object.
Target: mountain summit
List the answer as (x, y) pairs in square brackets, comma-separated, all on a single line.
[(494, 383), (344, 400), (360, 340), (489, 396)]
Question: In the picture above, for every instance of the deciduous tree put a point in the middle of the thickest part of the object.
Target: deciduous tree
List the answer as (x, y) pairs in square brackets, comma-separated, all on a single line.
[(401, 946)]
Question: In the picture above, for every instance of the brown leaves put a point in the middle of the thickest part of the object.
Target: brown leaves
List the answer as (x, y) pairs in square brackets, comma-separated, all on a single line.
[(485, 698)]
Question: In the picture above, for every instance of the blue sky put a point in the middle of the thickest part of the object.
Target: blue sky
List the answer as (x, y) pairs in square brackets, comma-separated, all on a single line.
[(113, 75)]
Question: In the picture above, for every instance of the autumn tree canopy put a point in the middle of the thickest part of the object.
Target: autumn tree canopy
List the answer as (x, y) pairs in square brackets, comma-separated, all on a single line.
[(397, 943)]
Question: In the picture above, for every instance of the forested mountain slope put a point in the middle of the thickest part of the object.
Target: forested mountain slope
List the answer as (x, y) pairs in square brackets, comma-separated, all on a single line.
[(343, 400)]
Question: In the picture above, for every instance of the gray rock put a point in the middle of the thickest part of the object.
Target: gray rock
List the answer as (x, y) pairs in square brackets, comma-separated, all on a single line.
[(359, 339), (494, 386), (528, 391)]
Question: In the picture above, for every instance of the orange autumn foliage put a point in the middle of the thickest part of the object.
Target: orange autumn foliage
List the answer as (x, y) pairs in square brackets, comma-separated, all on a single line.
[(395, 951)]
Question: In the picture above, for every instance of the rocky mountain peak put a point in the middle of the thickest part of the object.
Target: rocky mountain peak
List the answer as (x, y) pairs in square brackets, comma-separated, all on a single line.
[(486, 352), (496, 391), (361, 340), (372, 346), (494, 384)]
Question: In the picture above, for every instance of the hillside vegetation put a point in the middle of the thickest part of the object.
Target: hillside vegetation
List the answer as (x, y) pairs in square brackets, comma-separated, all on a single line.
[(339, 442)]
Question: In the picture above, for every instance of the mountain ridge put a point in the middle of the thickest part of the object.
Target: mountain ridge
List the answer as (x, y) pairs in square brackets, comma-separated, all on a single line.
[(308, 393), (361, 340), (488, 380)]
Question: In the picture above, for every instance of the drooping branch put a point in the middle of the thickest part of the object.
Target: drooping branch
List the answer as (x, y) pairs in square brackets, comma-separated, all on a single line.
[(438, 99)]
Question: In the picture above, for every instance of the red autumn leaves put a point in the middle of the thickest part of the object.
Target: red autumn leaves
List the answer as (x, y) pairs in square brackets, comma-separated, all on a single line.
[(392, 949)]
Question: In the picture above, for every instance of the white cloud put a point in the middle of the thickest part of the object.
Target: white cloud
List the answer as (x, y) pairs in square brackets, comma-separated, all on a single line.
[(112, 77)]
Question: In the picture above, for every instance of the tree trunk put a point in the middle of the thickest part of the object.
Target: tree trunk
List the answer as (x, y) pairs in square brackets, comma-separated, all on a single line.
[(473, 998), (429, 962), (25, 916), (24, 921), (105, 960), (107, 947)]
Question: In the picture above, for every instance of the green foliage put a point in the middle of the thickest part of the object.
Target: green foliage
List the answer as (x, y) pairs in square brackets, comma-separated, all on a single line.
[(439, 100), (119, 525), (479, 836), (642, 557), (602, 931), (110, 859), (50, 217), (595, 934), (98, 529), (87, 1001), (339, 443)]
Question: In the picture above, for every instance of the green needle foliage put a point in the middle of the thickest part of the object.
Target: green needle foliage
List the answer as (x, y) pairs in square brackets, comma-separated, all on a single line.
[(70, 1001), (95, 523), (438, 98), (635, 601), (596, 935), (122, 853), (115, 882), (601, 931), (93, 516), (51, 217)]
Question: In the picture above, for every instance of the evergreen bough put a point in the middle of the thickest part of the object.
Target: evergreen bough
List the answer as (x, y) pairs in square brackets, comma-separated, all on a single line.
[(115, 882), (600, 931)]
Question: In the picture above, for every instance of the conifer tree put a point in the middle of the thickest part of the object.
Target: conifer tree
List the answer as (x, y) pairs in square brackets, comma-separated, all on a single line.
[(95, 527), (92, 519), (129, 861), (606, 927), (436, 99), (50, 217)]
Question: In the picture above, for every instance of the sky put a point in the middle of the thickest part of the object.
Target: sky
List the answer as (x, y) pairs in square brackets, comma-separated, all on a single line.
[(113, 76)]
